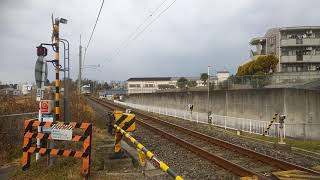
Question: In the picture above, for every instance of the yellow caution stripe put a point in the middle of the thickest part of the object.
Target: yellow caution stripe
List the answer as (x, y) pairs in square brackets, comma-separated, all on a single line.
[(271, 122), (163, 166)]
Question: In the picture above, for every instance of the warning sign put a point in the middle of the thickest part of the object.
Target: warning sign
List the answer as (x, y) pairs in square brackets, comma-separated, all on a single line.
[(46, 106), (61, 132)]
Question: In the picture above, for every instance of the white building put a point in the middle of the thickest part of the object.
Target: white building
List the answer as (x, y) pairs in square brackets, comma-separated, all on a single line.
[(26, 89), (147, 84), (222, 76), (152, 84)]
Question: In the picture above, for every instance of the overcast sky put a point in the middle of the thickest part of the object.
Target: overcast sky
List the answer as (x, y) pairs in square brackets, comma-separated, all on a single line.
[(190, 35)]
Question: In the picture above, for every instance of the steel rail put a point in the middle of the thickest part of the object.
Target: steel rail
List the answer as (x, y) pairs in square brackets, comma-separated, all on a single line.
[(242, 150), (245, 151), (232, 167)]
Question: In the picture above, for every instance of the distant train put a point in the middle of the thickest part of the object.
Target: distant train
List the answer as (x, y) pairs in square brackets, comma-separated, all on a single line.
[(86, 90)]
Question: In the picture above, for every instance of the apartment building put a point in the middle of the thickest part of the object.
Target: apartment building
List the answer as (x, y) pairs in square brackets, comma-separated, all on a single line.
[(298, 48)]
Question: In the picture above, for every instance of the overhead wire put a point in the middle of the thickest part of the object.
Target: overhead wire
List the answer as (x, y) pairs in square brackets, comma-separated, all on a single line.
[(93, 30), (137, 29), (136, 35)]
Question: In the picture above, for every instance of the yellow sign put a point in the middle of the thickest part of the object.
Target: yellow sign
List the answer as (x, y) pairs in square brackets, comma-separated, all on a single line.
[(125, 121)]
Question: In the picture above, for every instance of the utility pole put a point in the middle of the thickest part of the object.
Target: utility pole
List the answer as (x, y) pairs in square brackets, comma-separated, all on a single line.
[(80, 68), (208, 84), (208, 101)]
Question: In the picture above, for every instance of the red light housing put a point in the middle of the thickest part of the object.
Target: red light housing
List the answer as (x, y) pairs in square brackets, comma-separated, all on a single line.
[(42, 51)]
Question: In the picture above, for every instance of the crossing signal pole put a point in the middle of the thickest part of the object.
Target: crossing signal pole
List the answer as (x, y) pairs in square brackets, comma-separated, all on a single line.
[(57, 65), (56, 39)]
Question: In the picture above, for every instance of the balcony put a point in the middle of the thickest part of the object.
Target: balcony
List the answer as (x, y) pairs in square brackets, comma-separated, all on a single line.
[(305, 59), (301, 42)]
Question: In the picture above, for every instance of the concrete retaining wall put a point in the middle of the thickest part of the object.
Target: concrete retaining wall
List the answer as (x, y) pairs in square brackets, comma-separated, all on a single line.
[(301, 106)]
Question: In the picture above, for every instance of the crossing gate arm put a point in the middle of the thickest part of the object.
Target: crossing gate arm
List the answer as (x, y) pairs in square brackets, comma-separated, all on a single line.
[(28, 148), (163, 166)]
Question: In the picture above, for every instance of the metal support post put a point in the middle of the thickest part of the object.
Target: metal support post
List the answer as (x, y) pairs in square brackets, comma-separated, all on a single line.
[(40, 113), (66, 80), (250, 127), (197, 117), (281, 126), (208, 99)]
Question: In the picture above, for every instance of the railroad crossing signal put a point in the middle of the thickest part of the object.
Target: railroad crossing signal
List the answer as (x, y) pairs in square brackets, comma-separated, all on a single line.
[(42, 51)]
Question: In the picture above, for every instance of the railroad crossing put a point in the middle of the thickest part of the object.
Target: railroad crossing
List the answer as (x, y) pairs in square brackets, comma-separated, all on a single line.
[(257, 121)]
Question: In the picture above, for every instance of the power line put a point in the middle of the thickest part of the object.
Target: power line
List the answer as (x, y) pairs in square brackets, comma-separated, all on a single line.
[(136, 35), (157, 17), (94, 27), (137, 29)]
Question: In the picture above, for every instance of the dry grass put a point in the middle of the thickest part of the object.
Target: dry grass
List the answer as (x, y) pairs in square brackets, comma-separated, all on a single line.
[(11, 128), (64, 167)]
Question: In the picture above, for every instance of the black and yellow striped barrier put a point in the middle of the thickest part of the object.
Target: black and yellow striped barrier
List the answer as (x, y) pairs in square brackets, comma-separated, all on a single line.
[(274, 118), (125, 121), (163, 166)]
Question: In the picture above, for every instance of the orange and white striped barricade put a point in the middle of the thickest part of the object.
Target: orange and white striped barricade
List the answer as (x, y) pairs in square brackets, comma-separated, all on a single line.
[(28, 149)]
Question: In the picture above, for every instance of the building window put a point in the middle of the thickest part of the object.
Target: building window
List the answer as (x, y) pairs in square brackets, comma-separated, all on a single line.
[(299, 40), (284, 36), (284, 68), (299, 55), (134, 85), (284, 52), (272, 40), (149, 85), (292, 53)]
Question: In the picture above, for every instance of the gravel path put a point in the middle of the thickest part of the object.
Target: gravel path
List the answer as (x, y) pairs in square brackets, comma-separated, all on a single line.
[(184, 162), (237, 158)]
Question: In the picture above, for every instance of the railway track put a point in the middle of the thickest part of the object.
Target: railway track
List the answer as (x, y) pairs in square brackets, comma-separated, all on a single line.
[(234, 158)]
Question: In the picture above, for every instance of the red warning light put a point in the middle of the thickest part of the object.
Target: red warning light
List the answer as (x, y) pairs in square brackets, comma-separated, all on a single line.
[(42, 51)]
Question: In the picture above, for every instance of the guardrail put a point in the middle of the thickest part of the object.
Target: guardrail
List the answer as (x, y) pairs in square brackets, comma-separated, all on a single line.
[(163, 166), (20, 114), (227, 122)]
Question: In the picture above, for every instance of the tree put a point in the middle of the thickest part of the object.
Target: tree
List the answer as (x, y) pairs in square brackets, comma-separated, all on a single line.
[(106, 86), (204, 78), (166, 86), (260, 66), (192, 84), (182, 82)]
